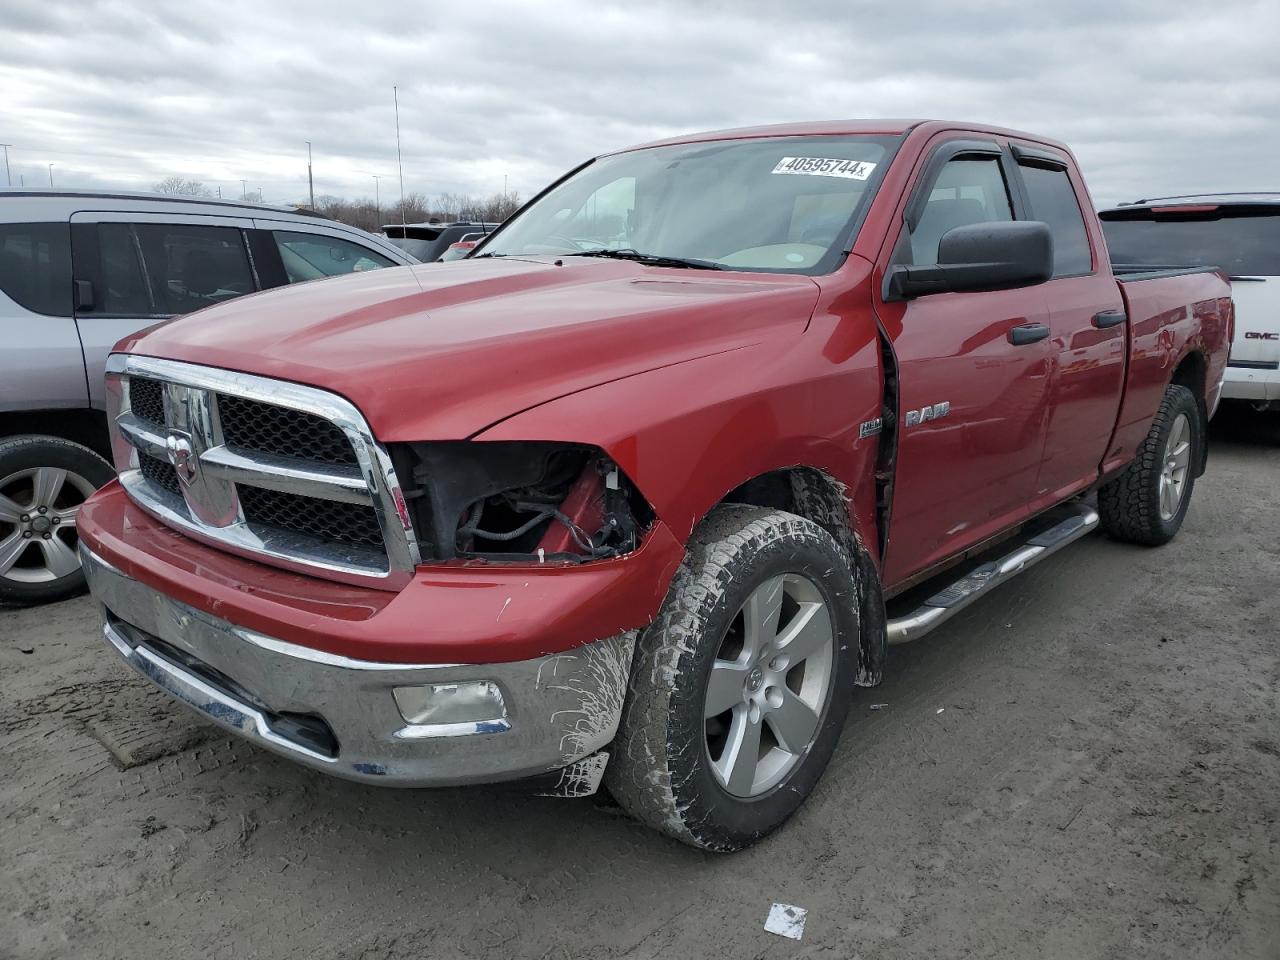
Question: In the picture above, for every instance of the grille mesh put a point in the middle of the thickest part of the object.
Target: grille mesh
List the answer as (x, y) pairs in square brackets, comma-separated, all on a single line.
[(159, 472), (146, 399), (252, 425), (323, 519)]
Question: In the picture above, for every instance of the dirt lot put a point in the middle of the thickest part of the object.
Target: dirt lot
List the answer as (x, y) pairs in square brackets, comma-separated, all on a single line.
[(1087, 764)]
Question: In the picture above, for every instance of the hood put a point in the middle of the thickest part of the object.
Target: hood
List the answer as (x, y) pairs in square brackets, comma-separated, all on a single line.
[(440, 352)]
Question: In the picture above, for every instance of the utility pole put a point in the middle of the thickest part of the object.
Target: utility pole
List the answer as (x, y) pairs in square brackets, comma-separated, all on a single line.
[(377, 195), (51, 174), (7, 178), (311, 185), (243, 193), (395, 92)]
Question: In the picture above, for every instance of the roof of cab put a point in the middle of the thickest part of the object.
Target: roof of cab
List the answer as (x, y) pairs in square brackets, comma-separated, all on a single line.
[(829, 128)]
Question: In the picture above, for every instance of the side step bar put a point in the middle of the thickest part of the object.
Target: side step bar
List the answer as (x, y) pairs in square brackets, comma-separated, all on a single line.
[(944, 605)]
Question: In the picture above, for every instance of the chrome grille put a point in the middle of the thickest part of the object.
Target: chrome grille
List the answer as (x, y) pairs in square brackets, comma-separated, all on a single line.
[(279, 472), (322, 519), (264, 428), (146, 397)]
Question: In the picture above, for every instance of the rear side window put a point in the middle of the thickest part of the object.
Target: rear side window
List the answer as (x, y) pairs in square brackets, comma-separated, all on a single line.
[(35, 266), (968, 190), (1053, 200), (190, 267), (310, 256), (1244, 240)]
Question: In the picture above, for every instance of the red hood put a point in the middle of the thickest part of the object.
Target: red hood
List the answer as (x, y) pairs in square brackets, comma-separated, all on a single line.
[(442, 351)]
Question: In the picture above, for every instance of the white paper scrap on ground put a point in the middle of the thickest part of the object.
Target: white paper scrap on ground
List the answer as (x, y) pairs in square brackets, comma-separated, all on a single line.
[(786, 921)]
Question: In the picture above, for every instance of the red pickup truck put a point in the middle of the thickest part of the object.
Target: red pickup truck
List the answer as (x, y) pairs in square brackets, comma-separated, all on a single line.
[(642, 489)]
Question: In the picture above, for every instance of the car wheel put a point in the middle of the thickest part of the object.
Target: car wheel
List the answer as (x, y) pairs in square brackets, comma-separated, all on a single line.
[(43, 482), (740, 687), (1146, 503)]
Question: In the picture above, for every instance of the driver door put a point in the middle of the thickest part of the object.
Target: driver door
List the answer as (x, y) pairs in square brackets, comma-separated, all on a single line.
[(973, 392)]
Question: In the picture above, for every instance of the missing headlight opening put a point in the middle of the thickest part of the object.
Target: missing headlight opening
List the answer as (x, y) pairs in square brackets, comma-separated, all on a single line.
[(525, 501)]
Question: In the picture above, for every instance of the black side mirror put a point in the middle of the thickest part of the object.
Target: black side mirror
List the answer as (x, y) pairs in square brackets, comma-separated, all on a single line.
[(979, 256)]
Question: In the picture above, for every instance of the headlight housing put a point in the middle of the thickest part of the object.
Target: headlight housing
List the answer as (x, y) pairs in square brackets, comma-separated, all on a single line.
[(525, 501)]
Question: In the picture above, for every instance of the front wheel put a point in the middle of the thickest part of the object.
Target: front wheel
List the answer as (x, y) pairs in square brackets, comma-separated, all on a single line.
[(740, 687), (43, 482), (1147, 502)]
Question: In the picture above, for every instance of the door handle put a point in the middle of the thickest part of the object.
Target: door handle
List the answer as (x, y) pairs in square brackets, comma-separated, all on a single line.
[(1028, 333), (1109, 318)]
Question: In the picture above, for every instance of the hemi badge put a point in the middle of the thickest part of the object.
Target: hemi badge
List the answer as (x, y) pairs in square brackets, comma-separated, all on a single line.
[(870, 428)]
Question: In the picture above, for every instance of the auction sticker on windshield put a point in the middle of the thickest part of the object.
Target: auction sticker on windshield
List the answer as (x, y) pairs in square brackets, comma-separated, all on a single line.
[(826, 167)]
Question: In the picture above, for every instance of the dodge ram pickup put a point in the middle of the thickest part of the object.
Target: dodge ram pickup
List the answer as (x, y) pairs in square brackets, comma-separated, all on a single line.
[(638, 493)]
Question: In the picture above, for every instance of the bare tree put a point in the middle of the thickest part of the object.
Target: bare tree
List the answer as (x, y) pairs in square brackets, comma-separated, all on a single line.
[(182, 187)]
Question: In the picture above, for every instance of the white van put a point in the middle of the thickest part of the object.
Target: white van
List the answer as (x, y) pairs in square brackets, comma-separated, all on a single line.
[(1239, 232)]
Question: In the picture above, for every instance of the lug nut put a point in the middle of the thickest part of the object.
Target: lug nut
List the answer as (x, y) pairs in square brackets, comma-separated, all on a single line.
[(26, 534), (48, 536), (57, 519), (26, 518), (44, 509)]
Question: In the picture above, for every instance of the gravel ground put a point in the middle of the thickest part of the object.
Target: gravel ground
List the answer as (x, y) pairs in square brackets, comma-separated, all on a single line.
[(1085, 764)]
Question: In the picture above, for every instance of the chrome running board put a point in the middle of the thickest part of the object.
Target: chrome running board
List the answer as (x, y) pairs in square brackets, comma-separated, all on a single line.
[(945, 604)]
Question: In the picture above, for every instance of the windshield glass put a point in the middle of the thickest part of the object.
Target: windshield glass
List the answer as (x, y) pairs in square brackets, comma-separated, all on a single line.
[(1243, 240), (784, 204)]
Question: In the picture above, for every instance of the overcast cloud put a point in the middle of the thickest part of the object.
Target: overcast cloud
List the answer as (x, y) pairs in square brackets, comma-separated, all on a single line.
[(1155, 98)]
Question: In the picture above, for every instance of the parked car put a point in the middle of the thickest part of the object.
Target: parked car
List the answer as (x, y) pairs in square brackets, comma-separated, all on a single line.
[(1239, 232), (633, 509), (80, 270), (428, 242)]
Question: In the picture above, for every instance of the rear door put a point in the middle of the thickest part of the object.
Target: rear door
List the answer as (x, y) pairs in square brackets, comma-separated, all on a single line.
[(313, 253), (973, 404), (1087, 323), (136, 269)]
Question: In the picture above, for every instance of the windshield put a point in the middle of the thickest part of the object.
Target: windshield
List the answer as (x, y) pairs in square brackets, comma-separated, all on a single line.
[(784, 204), (1243, 240)]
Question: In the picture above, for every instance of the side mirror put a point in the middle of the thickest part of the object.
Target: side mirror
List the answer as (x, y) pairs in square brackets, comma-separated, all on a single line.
[(979, 256)]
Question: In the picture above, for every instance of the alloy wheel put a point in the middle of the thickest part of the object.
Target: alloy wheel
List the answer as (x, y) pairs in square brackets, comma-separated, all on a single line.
[(769, 685), (38, 509), (1173, 472)]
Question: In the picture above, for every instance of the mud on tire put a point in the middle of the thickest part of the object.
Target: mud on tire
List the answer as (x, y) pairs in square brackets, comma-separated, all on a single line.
[(662, 770), (1130, 504)]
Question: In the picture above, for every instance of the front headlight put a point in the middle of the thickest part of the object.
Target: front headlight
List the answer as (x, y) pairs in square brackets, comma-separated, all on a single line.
[(534, 501)]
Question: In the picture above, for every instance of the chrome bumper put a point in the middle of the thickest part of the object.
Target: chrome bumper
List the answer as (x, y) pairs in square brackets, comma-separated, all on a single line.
[(560, 710)]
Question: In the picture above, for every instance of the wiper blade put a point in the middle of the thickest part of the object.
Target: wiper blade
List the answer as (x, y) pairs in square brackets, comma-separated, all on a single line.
[(652, 259), (481, 256)]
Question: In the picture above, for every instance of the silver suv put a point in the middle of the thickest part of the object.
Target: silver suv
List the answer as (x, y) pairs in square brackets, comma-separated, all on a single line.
[(81, 271)]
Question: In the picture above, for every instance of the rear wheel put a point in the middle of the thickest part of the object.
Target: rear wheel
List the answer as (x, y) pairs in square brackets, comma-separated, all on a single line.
[(43, 482), (1147, 503), (740, 688)]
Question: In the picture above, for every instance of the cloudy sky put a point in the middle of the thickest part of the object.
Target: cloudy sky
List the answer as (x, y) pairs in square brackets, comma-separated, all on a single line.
[(1156, 98)]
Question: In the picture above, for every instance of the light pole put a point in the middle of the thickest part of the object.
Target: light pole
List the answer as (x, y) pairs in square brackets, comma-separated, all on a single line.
[(243, 194), (395, 92), (377, 195), (311, 185), (51, 174), (7, 178)]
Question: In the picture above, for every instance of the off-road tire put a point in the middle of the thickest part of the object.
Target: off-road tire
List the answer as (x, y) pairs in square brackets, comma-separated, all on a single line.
[(28, 452), (1129, 505), (660, 769)]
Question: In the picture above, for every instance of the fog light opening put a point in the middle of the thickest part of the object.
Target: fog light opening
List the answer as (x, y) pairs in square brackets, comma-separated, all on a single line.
[(467, 701)]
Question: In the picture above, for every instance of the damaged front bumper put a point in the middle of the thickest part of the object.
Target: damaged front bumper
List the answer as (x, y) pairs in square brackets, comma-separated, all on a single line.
[(339, 715)]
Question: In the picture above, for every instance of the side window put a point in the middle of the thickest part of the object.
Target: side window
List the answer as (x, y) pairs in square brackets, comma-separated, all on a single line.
[(1053, 200), (310, 256), (124, 286), (968, 190), (35, 266), (193, 266)]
